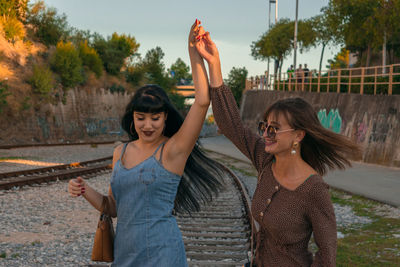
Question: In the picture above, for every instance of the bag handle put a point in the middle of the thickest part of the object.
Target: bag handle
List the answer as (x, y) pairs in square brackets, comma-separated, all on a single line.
[(104, 204)]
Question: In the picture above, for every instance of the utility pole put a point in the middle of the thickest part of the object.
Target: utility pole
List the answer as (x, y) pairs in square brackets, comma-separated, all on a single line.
[(269, 27), (295, 36)]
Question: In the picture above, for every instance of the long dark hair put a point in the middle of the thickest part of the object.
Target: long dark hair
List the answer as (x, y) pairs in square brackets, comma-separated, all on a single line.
[(320, 147), (202, 176)]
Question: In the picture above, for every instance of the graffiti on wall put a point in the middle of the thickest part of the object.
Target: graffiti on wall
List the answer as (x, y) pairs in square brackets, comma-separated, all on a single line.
[(331, 121), (44, 126), (361, 131), (108, 126), (380, 130)]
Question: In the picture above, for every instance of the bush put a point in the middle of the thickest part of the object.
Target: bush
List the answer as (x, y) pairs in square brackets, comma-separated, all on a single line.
[(13, 29), (14, 8), (90, 58), (117, 89), (42, 80), (3, 94), (67, 63), (134, 75), (237, 82), (48, 26)]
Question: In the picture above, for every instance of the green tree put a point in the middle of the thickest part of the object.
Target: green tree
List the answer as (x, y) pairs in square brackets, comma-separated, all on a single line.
[(237, 82), (67, 63), (90, 58), (324, 33), (115, 50), (351, 19), (277, 43), (48, 26), (385, 23), (151, 70), (181, 71)]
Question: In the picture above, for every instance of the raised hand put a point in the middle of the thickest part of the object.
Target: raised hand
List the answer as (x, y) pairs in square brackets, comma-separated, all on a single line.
[(206, 47), (194, 30)]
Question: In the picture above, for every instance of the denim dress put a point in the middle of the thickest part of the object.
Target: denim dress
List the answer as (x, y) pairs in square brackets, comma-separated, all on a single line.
[(147, 234)]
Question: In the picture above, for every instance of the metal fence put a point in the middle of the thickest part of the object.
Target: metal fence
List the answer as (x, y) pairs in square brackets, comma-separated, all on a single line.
[(365, 80)]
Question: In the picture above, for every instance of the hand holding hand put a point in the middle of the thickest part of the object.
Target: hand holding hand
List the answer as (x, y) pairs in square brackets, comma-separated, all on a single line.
[(76, 187), (206, 47)]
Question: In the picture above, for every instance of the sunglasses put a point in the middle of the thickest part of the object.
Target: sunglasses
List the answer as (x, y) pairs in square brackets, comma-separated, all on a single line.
[(272, 131)]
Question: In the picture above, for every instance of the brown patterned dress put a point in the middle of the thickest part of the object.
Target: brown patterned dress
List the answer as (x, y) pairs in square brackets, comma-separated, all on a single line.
[(287, 218)]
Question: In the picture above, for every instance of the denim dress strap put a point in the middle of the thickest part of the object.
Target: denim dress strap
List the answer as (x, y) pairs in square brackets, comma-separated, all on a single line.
[(155, 152), (162, 149), (123, 151)]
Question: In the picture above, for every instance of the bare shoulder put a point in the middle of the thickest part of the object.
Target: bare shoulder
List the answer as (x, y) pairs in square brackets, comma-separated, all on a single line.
[(117, 151)]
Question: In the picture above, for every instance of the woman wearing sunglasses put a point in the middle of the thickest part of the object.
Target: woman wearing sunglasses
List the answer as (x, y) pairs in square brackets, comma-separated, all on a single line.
[(291, 154)]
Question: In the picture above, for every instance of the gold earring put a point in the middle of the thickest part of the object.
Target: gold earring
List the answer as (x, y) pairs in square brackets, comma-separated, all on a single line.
[(294, 146)]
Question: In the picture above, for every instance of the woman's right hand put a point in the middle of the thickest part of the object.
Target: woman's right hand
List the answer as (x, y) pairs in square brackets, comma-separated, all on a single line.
[(76, 187)]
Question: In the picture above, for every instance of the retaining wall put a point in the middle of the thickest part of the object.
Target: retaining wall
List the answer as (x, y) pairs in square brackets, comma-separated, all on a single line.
[(372, 121), (93, 115)]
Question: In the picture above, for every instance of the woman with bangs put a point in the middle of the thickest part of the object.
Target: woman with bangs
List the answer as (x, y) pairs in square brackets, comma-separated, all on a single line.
[(291, 152), (159, 172)]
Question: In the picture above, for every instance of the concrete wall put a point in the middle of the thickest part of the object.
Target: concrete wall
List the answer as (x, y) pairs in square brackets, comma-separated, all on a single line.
[(87, 116), (372, 121)]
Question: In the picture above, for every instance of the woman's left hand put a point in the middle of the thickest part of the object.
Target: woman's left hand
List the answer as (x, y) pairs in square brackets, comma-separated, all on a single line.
[(206, 47)]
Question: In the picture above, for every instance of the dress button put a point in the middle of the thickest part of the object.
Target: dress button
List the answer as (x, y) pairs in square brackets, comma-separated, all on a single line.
[(261, 214), (268, 200), (276, 187)]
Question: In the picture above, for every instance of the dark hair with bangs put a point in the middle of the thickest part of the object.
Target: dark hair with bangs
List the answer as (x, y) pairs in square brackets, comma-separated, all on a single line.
[(320, 147), (202, 176)]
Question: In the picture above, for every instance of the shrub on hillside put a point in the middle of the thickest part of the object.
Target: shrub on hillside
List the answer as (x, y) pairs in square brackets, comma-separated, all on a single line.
[(67, 63), (12, 29), (90, 58), (42, 80), (48, 26), (3, 94), (14, 8), (117, 89)]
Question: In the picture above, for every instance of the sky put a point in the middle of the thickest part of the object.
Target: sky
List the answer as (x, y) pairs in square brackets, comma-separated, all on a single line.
[(233, 26)]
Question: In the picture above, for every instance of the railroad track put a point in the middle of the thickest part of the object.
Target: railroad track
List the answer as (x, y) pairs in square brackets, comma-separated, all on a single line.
[(218, 235), (58, 144), (9, 180)]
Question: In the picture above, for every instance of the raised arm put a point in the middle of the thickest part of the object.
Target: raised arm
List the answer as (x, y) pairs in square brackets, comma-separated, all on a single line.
[(182, 143), (226, 112)]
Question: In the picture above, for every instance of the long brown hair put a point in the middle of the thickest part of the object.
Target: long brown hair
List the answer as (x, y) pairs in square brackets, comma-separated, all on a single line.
[(320, 148)]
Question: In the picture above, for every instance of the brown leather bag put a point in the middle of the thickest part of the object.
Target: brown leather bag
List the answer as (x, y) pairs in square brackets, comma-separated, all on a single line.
[(103, 247)]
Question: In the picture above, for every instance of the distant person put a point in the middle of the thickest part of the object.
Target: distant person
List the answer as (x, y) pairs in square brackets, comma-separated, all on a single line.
[(299, 74), (159, 170), (306, 72), (290, 71), (291, 153)]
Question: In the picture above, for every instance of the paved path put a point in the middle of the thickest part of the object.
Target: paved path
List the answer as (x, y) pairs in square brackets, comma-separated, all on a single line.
[(372, 181)]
